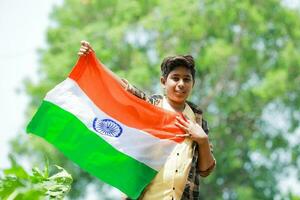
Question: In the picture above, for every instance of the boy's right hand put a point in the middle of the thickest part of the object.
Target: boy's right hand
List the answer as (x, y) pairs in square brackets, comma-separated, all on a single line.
[(85, 48)]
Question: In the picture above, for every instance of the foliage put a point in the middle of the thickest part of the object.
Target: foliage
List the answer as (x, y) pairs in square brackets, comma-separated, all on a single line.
[(19, 184), (247, 57)]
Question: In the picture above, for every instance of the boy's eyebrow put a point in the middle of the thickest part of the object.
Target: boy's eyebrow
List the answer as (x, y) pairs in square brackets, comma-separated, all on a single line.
[(188, 75)]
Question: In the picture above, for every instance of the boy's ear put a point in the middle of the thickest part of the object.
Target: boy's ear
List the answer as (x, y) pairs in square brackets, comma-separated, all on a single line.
[(162, 80)]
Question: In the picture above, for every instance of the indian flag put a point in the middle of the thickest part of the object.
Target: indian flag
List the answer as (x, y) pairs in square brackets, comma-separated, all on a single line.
[(110, 133)]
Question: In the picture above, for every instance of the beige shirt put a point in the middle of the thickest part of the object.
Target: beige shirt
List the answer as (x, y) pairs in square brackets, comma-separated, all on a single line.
[(170, 181)]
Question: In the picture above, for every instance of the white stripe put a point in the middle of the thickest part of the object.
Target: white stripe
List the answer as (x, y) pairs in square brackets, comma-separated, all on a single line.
[(135, 143)]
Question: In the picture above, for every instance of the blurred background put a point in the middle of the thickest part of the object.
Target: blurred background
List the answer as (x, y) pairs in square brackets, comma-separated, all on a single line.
[(248, 80)]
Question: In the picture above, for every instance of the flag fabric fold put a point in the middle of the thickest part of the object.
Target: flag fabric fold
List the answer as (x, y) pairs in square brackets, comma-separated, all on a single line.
[(108, 132)]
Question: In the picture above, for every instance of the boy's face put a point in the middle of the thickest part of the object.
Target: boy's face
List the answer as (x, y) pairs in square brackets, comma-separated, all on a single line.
[(178, 84)]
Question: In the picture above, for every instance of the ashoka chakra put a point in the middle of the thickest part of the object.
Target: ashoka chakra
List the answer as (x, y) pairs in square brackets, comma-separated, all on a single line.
[(107, 127)]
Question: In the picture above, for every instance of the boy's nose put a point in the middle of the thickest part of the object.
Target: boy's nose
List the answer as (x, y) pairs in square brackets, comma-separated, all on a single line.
[(181, 83)]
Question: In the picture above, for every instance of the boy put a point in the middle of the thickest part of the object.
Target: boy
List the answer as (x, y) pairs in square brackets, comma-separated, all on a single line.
[(179, 178)]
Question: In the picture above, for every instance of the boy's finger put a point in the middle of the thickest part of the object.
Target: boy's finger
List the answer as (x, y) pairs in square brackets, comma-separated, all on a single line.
[(181, 126), (81, 54), (183, 135), (82, 50), (84, 47), (85, 43), (182, 121), (185, 116)]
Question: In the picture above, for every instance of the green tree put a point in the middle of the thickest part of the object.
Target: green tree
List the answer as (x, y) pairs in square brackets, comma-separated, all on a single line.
[(247, 57)]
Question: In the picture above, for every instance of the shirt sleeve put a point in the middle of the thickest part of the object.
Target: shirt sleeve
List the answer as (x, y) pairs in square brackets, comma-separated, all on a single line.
[(154, 99), (135, 91), (209, 170)]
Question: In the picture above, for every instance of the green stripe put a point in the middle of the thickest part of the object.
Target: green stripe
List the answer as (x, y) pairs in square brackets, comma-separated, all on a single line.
[(89, 151)]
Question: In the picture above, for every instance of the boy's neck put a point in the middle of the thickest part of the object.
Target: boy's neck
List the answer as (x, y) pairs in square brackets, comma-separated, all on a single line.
[(178, 107)]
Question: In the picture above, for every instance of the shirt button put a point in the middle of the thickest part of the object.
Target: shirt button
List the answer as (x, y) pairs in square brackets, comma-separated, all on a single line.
[(173, 188), (176, 170), (177, 154)]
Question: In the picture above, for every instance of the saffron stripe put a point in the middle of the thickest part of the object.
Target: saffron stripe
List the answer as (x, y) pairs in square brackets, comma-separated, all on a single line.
[(112, 99)]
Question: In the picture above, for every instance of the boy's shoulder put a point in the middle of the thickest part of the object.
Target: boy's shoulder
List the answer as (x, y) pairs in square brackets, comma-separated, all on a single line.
[(195, 108)]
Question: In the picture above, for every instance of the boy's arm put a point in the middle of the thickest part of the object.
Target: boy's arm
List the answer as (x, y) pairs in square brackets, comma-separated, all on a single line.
[(206, 161), (135, 91), (86, 48)]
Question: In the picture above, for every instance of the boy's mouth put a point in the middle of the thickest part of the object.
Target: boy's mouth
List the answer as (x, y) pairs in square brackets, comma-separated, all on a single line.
[(179, 92)]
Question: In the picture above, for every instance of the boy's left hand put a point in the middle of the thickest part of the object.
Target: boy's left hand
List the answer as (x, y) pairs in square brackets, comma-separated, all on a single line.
[(192, 130)]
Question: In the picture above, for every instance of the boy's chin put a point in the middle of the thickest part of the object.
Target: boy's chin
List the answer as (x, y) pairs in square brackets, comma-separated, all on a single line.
[(180, 99)]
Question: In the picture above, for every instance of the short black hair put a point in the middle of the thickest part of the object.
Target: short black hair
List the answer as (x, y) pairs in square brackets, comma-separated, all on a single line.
[(171, 62)]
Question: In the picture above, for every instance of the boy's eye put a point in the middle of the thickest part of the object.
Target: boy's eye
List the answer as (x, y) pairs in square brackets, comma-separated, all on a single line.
[(175, 78), (187, 80)]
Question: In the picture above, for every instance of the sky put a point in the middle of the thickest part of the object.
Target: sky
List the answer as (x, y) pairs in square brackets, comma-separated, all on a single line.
[(23, 30), (23, 27)]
